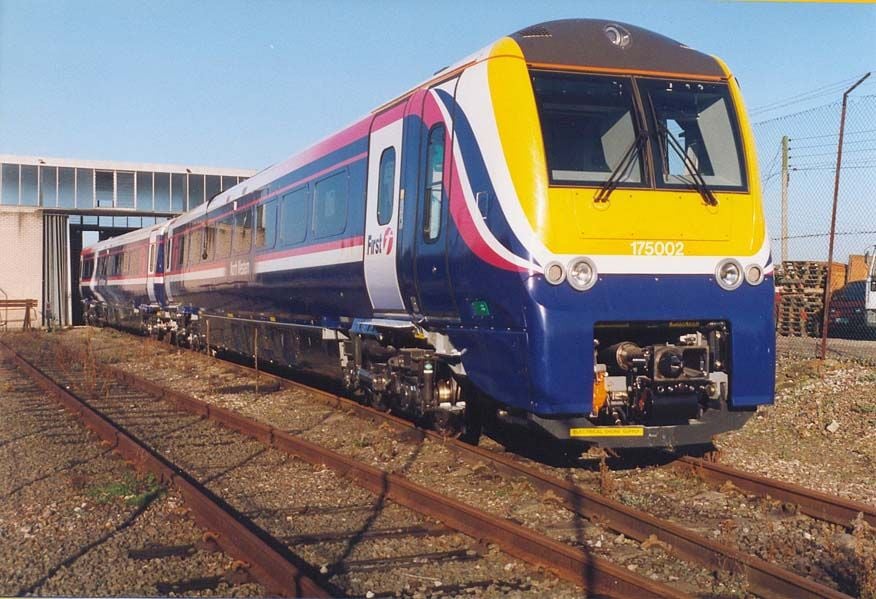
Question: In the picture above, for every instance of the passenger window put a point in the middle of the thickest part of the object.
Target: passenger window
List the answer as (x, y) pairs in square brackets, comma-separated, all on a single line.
[(224, 229), (330, 205), (195, 246), (293, 212), (385, 186), (434, 183), (181, 250), (151, 265), (208, 243), (265, 224), (242, 231)]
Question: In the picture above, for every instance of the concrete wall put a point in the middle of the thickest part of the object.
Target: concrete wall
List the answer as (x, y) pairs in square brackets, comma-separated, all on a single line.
[(21, 259)]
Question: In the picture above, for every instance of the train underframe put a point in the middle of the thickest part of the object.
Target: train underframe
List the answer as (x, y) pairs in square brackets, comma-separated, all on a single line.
[(654, 384)]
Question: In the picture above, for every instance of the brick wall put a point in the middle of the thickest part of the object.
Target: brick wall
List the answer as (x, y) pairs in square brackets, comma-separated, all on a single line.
[(21, 259)]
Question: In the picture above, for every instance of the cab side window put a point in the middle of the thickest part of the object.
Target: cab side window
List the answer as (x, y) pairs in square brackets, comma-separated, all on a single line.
[(434, 183)]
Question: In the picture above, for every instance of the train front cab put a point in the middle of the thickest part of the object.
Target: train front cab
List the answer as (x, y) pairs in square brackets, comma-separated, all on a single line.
[(653, 324)]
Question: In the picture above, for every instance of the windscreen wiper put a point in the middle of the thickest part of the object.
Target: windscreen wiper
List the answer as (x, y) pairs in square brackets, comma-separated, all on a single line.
[(613, 180), (698, 182)]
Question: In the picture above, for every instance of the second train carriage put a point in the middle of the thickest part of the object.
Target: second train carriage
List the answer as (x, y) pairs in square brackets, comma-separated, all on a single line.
[(562, 230)]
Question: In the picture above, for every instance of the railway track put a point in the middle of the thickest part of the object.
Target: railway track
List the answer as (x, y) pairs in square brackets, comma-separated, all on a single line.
[(75, 516), (270, 564), (763, 578), (275, 568)]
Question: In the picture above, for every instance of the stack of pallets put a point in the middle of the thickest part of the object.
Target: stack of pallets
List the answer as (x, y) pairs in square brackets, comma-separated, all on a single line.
[(801, 285)]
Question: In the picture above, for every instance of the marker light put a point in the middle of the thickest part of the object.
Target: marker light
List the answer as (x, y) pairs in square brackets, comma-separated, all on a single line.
[(729, 274), (754, 274), (554, 273), (582, 273), (617, 35)]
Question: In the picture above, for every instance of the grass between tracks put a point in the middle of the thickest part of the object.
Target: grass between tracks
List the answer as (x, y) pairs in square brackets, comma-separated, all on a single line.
[(132, 490)]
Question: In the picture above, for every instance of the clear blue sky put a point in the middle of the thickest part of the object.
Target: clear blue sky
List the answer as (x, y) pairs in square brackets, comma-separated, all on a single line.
[(245, 84)]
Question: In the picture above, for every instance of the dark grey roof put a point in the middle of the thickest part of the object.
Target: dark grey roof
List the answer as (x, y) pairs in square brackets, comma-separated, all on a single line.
[(586, 43)]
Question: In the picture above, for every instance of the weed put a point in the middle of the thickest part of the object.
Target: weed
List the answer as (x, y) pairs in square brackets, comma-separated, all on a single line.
[(136, 492), (362, 442)]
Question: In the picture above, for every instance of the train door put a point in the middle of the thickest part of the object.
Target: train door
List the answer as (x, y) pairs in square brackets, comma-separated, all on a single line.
[(381, 216), (99, 280), (151, 263), (433, 215)]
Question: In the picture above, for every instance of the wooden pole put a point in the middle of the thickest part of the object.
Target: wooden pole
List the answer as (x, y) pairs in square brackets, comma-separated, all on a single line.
[(836, 182), (785, 198)]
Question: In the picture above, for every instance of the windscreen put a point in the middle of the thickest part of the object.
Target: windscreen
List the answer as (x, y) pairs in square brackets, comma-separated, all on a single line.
[(696, 126), (588, 127)]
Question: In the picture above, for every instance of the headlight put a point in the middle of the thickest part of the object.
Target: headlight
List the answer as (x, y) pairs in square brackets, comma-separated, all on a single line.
[(554, 273), (729, 274), (581, 273), (754, 274)]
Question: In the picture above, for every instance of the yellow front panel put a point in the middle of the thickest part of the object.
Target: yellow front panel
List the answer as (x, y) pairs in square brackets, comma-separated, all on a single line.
[(567, 219)]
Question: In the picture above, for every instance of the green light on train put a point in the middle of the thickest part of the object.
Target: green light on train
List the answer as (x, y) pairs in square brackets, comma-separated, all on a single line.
[(480, 308)]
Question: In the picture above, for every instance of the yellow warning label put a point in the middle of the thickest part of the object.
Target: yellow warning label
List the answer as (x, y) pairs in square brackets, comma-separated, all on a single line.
[(608, 431)]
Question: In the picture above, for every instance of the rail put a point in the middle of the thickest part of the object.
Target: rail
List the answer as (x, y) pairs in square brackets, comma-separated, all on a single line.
[(276, 571), (595, 574), (764, 578), (813, 503)]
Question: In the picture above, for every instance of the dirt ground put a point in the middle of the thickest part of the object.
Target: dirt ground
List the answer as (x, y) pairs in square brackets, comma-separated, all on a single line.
[(820, 432)]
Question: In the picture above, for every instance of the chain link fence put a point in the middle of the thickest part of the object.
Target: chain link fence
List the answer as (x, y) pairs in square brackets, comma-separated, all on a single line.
[(798, 154)]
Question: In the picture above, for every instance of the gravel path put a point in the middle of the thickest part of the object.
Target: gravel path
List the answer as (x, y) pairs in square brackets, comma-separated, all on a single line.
[(759, 526), (71, 510), (430, 464), (298, 504)]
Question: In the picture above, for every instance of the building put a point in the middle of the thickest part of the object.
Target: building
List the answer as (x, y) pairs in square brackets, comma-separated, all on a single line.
[(51, 207)]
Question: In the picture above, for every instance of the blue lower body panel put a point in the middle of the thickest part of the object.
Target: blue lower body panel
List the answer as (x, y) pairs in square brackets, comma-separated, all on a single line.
[(548, 368)]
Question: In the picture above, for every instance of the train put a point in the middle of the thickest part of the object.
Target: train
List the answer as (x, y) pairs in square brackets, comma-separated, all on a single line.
[(562, 232)]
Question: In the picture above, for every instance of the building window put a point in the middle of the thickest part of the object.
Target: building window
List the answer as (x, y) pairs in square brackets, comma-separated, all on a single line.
[(196, 190), (124, 189), (10, 185), (144, 191), (330, 205), (48, 186), (29, 185), (212, 186), (177, 192), (84, 188), (104, 187), (228, 182), (162, 192), (66, 187)]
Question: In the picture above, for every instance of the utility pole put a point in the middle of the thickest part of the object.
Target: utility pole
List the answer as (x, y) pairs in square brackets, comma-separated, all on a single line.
[(836, 182), (785, 198)]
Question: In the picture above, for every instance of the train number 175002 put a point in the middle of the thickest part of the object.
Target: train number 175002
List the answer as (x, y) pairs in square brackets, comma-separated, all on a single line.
[(657, 248)]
